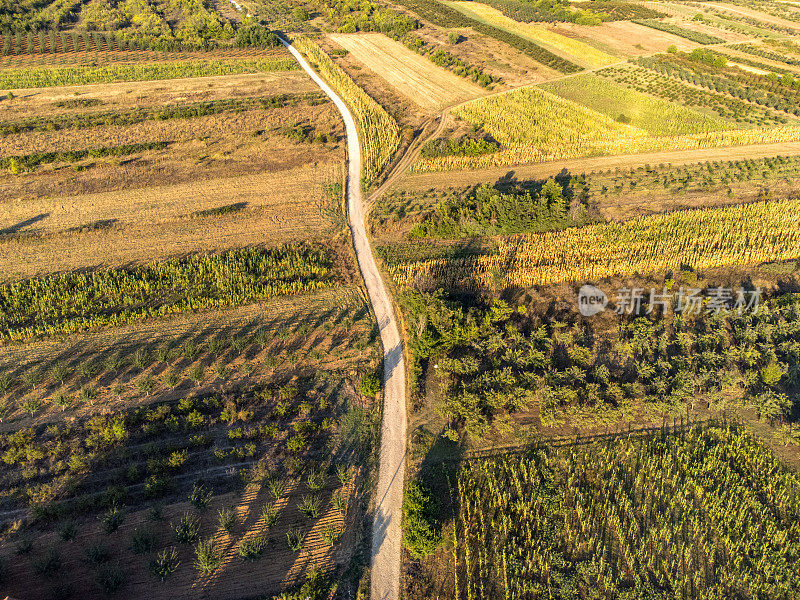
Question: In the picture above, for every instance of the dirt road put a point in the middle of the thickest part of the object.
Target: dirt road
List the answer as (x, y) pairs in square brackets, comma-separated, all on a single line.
[(386, 534)]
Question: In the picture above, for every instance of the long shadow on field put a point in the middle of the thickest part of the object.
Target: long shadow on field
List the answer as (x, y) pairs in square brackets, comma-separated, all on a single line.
[(22, 224)]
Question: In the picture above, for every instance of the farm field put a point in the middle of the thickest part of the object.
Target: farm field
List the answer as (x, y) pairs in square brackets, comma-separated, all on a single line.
[(654, 115), (572, 307), (380, 132), (625, 38), (700, 239), (545, 127), (217, 372), (614, 193), (571, 49), (571, 503), (420, 80)]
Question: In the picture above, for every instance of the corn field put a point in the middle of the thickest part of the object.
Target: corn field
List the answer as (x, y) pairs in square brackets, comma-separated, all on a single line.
[(76, 301), (735, 235), (378, 131), (56, 76), (705, 512), (533, 125)]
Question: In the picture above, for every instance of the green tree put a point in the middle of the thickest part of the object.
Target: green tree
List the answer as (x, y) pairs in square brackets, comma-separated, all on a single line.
[(420, 529)]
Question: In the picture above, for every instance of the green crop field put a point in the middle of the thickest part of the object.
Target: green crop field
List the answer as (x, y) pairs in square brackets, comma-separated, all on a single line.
[(656, 116), (666, 515)]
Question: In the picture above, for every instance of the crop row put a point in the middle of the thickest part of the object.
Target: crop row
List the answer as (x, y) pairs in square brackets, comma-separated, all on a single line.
[(708, 512), (694, 36), (662, 86), (443, 16), (76, 301), (139, 115), (736, 235), (763, 52), (51, 77), (19, 164), (379, 133), (756, 89), (151, 445)]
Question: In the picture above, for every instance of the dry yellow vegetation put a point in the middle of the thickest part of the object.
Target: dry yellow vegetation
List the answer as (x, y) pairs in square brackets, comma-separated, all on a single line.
[(734, 235), (417, 78), (533, 125), (136, 226)]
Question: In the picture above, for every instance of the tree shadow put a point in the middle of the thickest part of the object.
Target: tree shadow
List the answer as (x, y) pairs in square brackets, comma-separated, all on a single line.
[(22, 224)]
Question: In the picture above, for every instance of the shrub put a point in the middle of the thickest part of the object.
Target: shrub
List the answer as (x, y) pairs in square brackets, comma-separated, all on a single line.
[(143, 541), (170, 378), (49, 564), (24, 546), (59, 372), (227, 519), (97, 555), (165, 563), (295, 538), (340, 502), (252, 548), (369, 385), (67, 531), (315, 480), (197, 374), (344, 473), (330, 535), (270, 515), (112, 519), (187, 529), (208, 556), (141, 358), (277, 487), (200, 496), (420, 534), (110, 579), (310, 505)]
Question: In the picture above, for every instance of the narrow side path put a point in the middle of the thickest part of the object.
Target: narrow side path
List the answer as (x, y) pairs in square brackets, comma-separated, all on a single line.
[(386, 533)]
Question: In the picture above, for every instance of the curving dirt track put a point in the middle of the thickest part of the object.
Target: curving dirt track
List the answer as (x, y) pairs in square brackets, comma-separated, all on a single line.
[(386, 533)]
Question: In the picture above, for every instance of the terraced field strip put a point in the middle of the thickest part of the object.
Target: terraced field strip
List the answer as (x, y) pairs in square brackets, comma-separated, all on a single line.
[(569, 48), (137, 226), (414, 76), (625, 38), (753, 13), (424, 181), (24, 78), (533, 125), (655, 115), (743, 234)]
